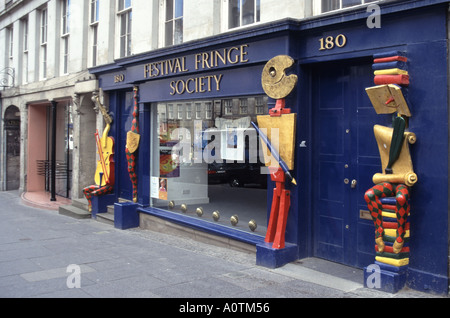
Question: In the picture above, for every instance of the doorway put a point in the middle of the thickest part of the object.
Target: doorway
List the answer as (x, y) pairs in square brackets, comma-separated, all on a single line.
[(345, 157), (44, 123), (12, 144)]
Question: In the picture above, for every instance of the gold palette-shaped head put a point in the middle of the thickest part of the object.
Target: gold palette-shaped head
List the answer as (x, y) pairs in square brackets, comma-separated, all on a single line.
[(274, 80), (388, 99)]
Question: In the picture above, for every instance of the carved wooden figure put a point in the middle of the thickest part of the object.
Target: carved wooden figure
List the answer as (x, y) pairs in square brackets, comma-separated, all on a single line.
[(388, 200), (104, 174)]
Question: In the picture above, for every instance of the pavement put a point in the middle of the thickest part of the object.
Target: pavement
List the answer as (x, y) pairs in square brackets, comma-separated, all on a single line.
[(47, 255)]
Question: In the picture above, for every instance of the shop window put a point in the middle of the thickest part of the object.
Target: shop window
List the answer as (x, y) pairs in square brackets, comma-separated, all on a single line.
[(243, 12), (210, 163)]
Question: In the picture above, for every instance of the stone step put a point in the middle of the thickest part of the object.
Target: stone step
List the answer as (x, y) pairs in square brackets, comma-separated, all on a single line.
[(110, 208), (107, 217), (81, 203), (73, 211)]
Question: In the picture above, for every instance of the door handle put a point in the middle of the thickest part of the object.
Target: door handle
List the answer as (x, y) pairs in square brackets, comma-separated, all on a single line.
[(353, 184)]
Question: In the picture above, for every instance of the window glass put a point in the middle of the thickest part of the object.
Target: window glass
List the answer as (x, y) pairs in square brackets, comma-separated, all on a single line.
[(328, 5), (349, 3), (178, 8), (174, 22), (243, 12), (233, 13), (210, 160), (94, 11), (124, 4), (125, 33), (169, 10), (248, 12)]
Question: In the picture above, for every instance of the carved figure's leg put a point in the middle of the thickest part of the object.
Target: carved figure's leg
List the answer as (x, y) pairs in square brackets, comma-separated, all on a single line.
[(94, 190), (131, 158), (88, 194), (372, 197), (402, 210)]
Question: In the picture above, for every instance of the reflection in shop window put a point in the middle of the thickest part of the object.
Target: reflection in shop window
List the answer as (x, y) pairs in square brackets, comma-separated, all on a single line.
[(243, 106), (211, 161), (180, 111), (228, 106), (259, 105), (198, 110), (188, 111), (170, 111), (208, 114)]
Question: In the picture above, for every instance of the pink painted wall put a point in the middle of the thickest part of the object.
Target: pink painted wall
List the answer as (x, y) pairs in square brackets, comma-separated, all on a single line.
[(37, 137)]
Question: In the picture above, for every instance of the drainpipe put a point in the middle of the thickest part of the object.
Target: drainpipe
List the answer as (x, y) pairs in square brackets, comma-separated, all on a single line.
[(53, 154)]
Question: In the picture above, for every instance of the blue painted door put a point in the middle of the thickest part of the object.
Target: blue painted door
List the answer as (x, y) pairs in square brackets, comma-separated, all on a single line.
[(125, 113), (345, 156)]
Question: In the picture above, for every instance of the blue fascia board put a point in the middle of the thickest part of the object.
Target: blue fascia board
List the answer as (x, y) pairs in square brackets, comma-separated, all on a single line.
[(360, 12), (285, 25), (274, 28)]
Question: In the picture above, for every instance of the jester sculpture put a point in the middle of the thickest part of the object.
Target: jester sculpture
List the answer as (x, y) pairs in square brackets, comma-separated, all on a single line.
[(132, 145), (104, 173), (388, 199)]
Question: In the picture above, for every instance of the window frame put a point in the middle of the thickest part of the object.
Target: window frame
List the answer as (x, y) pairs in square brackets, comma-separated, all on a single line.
[(124, 18), (94, 16), (171, 22), (65, 32), (94, 12), (65, 17), (10, 42), (318, 6), (43, 37), (227, 15), (25, 48)]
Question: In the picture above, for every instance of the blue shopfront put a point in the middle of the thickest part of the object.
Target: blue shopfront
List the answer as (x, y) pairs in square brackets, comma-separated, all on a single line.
[(192, 97)]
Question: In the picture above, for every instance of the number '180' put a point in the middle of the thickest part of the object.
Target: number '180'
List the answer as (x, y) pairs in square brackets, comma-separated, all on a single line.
[(330, 42)]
